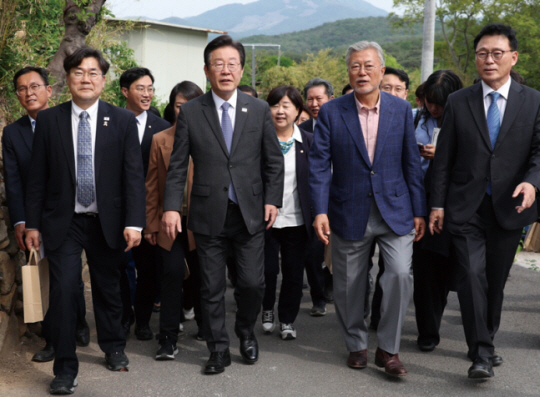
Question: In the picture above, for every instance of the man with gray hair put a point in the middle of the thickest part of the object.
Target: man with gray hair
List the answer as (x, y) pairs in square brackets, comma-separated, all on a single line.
[(316, 92), (366, 185)]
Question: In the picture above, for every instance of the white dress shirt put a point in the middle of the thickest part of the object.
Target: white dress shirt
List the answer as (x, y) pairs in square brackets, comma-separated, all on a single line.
[(501, 101), (232, 109), (141, 124)]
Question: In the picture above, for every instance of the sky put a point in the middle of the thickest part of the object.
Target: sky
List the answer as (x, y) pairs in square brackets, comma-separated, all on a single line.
[(160, 9)]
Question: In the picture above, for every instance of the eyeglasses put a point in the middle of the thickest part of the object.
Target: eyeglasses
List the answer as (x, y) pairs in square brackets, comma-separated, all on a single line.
[(367, 68), (92, 75), (496, 55), (32, 89), (231, 66), (388, 88), (142, 90)]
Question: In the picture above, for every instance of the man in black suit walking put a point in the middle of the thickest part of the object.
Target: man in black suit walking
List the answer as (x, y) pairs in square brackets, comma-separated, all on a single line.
[(485, 174), (33, 92), (237, 187), (85, 191), (137, 86)]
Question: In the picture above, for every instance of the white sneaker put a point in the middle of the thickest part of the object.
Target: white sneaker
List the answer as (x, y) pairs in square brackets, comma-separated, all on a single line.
[(287, 332), (268, 321), (181, 327), (189, 314)]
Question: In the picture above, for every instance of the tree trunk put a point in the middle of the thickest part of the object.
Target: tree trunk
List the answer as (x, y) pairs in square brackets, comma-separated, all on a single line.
[(75, 33)]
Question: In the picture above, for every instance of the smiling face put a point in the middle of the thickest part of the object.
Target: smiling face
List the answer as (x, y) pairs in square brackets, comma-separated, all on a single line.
[(139, 95), (495, 73), (365, 72), (394, 86), (224, 81), (316, 97), (37, 94), (284, 114), (86, 82)]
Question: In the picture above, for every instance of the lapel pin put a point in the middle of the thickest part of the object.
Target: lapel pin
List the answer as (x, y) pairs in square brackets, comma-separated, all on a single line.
[(105, 124), (244, 110), (301, 151), (149, 126), (105, 118)]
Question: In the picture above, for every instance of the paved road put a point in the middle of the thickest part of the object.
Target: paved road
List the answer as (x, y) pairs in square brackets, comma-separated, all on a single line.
[(313, 364)]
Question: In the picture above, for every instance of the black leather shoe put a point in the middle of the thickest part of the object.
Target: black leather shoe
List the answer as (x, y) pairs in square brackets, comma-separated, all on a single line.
[(144, 333), (481, 368), (217, 362), (426, 346), (249, 349), (199, 335), (83, 336), (44, 355), (63, 384), (117, 361), (496, 360)]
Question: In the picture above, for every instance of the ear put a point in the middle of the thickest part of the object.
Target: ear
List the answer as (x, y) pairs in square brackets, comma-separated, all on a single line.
[(49, 91), (514, 58), (206, 72), (125, 92)]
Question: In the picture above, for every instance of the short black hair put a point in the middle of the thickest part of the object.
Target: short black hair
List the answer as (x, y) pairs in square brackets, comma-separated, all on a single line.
[(495, 29), (76, 58), (248, 90), (328, 87), (289, 91), (42, 72), (131, 75), (440, 85), (419, 93), (401, 75), (347, 87), (224, 41)]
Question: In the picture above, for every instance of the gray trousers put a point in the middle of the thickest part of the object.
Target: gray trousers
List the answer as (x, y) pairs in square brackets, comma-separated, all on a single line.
[(350, 268)]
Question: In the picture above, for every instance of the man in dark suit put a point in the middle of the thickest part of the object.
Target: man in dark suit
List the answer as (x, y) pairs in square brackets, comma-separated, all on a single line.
[(485, 173), (316, 93), (33, 92), (137, 86), (86, 191), (237, 187), (366, 185)]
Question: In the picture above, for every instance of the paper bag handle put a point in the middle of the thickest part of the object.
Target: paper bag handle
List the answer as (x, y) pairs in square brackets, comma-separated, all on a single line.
[(34, 258)]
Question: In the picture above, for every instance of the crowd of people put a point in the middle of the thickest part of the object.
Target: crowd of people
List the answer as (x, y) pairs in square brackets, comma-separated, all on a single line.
[(229, 185)]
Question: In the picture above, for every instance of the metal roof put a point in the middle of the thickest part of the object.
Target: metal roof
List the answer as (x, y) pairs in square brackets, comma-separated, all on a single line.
[(171, 25)]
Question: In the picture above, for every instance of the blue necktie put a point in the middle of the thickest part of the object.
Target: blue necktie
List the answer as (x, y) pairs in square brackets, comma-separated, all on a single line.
[(494, 125), (226, 127), (85, 175), (33, 125)]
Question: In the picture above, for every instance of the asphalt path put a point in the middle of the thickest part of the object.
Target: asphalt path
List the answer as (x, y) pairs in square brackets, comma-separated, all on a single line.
[(311, 365)]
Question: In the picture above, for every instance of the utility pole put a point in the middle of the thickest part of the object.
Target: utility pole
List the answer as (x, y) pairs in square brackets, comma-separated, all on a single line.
[(254, 64), (428, 43)]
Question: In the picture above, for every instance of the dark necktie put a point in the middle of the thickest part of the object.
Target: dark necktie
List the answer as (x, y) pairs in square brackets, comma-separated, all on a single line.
[(85, 174), (226, 127), (494, 125)]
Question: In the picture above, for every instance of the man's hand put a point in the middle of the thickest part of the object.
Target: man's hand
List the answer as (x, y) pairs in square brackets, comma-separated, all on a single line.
[(171, 224), (132, 237), (20, 230), (529, 195), (436, 220), (428, 151), (270, 214), (419, 227), (32, 239), (322, 228), (151, 238)]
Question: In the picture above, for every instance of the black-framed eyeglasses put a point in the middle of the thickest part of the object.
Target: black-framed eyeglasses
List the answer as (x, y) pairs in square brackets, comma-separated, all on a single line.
[(496, 55)]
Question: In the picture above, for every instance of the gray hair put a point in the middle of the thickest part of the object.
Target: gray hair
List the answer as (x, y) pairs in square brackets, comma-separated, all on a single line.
[(328, 87), (362, 46)]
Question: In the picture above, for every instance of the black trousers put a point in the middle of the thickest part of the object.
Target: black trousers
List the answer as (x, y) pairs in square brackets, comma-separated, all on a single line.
[(485, 253), (249, 258), (147, 258), (314, 271), (192, 285), (171, 290), (291, 241), (65, 275)]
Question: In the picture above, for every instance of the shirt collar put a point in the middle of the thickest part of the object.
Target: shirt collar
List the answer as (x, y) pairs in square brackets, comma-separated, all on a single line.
[(31, 119), (219, 101), (141, 118), (92, 110), (297, 135), (359, 105), (503, 90)]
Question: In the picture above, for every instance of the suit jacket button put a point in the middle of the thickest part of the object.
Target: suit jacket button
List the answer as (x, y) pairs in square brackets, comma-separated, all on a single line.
[(492, 156), (225, 189), (369, 195), (372, 172)]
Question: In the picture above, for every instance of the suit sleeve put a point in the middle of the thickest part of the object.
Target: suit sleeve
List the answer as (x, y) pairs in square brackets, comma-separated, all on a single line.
[(13, 181), (152, 190), (320, 159), (412, 168), (533, 173), (37, 178), (134, 195), (273, 166), (177, 172), (444, 158)]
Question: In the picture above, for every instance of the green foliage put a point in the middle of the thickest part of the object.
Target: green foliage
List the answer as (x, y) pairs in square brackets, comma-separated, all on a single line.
[(264, 60)]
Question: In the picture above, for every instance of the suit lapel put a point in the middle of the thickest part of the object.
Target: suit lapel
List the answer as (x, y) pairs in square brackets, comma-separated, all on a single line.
[(513, 106), (476, 103), (242, 110), (26, 132), (385, 120), (209, 111), (148, 132), (102, 136), (65, 130), (350, 117)]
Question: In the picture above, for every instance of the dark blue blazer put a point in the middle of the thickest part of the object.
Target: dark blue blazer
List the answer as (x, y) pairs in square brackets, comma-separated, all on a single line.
[(17, 151), (307, 125), (302, 178), (344, 182), (154, 124)]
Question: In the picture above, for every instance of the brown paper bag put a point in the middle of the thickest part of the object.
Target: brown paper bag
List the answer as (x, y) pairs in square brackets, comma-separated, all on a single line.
[(532, 240), (35, 281)]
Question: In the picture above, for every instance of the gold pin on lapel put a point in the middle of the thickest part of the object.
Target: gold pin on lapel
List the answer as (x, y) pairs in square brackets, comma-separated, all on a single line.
[(105, 121)]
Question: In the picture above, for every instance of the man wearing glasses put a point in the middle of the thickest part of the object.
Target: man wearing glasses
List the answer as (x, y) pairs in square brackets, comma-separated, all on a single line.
[(137, 86), (237, 187), (85, 191), (485, 176)]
